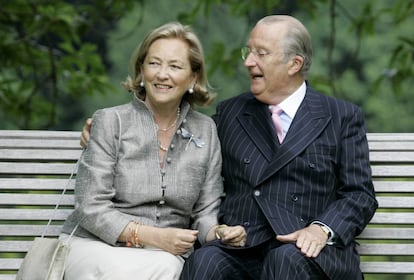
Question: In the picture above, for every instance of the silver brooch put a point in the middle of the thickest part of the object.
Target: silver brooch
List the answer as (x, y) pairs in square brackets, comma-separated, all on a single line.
[(191, 138)]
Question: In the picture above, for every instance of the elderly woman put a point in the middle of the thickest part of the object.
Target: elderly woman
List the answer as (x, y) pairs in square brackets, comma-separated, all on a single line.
[(149, 182)]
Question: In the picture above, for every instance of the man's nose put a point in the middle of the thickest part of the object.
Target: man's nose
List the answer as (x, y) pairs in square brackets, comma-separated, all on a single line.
[(250, 61)]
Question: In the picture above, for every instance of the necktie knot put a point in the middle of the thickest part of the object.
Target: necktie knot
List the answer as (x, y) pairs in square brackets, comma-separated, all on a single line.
[(277, 121), (275, 109)]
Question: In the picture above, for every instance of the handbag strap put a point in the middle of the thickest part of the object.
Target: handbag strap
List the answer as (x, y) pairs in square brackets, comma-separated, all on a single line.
[(61, 197)]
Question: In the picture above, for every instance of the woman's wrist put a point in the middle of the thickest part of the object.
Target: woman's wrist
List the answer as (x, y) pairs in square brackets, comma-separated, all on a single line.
[(133, 238), (131, 235)]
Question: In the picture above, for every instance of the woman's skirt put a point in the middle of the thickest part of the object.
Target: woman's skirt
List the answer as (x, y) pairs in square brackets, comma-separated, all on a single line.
[(91, 259)]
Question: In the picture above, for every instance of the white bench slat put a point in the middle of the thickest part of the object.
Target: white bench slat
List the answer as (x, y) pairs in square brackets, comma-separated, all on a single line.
[(28, 143), (15, 246), (396, 202), (399, 156), (391, 171), (36, 199), (386, 249), (34, 214), (387, 267), (40, 154), (36, 134), (394, 186), (390, 137), (396, 218), (387, 233), (391, 146), (8, 276), (9, 264), (29, 230), (36, 184), (36, 168)]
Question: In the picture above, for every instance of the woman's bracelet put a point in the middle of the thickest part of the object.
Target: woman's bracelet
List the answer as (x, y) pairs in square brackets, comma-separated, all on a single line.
[(133, 238)]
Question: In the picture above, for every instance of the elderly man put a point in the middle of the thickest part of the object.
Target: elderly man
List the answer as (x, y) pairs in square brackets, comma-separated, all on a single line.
[(295, 166)]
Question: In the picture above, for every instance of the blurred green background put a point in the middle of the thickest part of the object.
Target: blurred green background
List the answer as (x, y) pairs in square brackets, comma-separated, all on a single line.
[(62, 60)]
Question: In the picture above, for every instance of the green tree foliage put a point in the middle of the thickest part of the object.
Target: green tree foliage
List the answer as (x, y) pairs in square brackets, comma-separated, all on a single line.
[(48, 60), (364, 51), (57, 55)]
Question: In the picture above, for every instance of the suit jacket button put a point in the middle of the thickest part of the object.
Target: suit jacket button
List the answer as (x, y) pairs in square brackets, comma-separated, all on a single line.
[(246, 160), (246, 224), (294, 198), (256, 193)]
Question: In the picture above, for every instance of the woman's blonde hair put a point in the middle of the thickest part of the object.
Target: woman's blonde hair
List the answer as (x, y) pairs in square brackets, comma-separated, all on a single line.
[(201, 94)]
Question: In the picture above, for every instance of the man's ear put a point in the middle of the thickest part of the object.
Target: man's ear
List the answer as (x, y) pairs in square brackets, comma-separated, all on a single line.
[(296, 64)]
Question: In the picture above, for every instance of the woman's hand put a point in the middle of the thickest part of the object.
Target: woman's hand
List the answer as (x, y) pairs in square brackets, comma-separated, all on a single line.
[(174, 240), (85, 133), (231, 235)]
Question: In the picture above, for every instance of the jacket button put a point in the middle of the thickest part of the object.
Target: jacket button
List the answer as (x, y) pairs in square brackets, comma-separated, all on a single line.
[(246, 224), (256, 193), (294, 198), (168, 160), (246, 160)]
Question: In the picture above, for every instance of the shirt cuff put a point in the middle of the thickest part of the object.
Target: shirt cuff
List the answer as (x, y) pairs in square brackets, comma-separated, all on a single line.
[(331, 237)]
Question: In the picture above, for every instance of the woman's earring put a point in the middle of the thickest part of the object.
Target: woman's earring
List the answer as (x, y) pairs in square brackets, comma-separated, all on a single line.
[(190, 90), (141, 84)]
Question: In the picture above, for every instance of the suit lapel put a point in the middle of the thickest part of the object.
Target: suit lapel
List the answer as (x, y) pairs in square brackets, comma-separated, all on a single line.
[(310, 120), (255, 120)]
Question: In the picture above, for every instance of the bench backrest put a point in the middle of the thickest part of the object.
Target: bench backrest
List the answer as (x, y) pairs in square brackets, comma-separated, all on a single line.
[(387, 244), (35, 167)]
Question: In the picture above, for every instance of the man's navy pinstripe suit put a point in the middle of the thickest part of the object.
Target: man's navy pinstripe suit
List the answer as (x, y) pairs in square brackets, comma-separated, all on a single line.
[(320, 172)]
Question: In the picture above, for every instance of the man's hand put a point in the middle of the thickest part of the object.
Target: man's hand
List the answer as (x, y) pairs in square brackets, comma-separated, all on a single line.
[(85, 133), (231, 235), (310, 240)]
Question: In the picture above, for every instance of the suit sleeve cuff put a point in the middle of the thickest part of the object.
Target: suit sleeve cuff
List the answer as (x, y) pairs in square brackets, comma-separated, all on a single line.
[(331, 237)]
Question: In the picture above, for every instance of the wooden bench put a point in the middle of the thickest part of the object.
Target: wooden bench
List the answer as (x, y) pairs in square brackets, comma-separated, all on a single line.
[(35, 166)]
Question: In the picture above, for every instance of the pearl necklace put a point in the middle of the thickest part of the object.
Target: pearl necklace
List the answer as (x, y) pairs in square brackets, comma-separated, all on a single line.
[(165, 149), (162, 147), (173, 124)]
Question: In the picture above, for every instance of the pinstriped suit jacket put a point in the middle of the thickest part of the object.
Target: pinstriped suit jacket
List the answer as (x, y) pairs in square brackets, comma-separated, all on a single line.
[(320, 172)]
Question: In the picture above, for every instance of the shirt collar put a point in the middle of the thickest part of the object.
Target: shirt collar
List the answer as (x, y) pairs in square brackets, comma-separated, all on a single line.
[(291, 104)]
